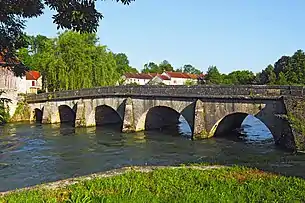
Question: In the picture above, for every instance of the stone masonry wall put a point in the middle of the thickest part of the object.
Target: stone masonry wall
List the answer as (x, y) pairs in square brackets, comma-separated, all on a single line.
[(172, 91)]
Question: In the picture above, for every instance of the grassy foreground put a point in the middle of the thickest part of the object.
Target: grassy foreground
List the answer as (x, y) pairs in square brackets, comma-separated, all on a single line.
[(234, 184)]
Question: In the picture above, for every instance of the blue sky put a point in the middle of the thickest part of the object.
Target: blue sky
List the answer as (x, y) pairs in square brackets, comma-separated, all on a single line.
[(233, 35)]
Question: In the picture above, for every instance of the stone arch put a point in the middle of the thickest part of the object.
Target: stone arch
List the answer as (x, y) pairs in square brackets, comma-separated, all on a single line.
[(104, 115), (67, 114), (228, 123), (38, 115), (231, 122), (159, 117)]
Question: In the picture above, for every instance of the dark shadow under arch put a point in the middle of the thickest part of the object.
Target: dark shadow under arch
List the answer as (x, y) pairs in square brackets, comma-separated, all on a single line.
[(38, 115), (105, 115), (66, 114), (232, 126), (163, 118), (229, 123)]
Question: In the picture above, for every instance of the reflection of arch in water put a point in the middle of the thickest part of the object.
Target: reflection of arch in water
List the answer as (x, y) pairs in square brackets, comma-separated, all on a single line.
[(232, 122), (38, 114), (66, 114), (105, 115), (160, 118)]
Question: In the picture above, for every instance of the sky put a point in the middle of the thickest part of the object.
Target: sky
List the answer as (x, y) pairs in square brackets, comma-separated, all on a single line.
[(232, 35)]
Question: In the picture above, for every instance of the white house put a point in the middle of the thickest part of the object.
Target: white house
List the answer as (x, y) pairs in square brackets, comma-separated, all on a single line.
[(137, 78), (178, 78), (29, 83), (167, 78), (33, 82)]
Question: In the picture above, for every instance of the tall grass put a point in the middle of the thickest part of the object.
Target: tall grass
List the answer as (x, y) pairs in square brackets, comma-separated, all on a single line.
[(235, 184)]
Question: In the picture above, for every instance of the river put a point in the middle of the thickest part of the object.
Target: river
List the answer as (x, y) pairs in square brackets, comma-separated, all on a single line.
[(34, 153)]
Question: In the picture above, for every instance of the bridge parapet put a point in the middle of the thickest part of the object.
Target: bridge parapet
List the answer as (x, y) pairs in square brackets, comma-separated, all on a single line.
[(172, 91)]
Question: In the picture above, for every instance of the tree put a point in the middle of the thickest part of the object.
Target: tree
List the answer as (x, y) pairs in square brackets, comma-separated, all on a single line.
[(77, 15), (73, 61), (291, 69), (188, 68), (165, 66), (282, 80), (213, 76), (151, 67), (242, 77), (267, 76), (122, 64)]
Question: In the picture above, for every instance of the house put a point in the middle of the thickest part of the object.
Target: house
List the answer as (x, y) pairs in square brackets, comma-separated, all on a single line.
[(159, 79), (179, 78), (137, 78), (29, 83), (33, 82), (166, 78)]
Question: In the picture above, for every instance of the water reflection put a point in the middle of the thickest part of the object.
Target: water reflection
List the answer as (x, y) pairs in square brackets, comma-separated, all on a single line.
[(36, 153)]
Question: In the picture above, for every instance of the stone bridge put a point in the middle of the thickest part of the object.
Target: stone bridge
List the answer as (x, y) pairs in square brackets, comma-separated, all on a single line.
[(209, 110)]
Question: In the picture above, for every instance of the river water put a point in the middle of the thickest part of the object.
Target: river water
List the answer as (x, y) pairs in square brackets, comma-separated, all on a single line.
[(34, 153)]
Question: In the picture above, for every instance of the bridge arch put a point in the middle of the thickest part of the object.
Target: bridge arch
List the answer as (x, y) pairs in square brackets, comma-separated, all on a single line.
[(67, 114), (38, 113), (233, 121), (159, 117), (105, 115)]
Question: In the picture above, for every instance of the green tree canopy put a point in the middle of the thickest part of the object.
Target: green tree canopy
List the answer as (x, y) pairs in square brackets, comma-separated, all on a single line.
[(152, 67), (188, 68), (213, 75), (122, 63), (241, 77), (77, 15), (74, 61), (267, 76)]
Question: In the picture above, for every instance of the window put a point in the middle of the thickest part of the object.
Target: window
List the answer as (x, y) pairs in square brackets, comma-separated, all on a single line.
[(33, 83)]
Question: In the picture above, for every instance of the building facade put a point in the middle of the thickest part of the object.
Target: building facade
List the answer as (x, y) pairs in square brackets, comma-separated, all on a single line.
[(166, 78)]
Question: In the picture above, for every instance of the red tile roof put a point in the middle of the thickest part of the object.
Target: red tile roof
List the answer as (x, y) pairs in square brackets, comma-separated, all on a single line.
[(32, 75), (181, 75), (163, 77), (140, 75)]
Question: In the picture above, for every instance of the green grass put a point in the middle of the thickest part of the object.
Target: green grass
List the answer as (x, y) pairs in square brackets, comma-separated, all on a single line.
[(235, 184)]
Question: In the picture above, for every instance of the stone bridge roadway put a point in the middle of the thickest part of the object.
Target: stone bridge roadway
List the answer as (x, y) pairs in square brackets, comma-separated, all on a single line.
[(210, 110)]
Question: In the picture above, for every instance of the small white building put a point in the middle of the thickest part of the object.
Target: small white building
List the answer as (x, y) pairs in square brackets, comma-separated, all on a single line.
[(30, 83), (178, 78), (137, 78), (167, 78), (33, 82)]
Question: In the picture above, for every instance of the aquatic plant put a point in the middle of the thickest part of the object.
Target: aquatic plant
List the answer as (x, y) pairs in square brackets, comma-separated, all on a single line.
[(4, 109)]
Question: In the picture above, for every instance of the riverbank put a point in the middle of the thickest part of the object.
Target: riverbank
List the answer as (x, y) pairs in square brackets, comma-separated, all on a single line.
[(199, 183)]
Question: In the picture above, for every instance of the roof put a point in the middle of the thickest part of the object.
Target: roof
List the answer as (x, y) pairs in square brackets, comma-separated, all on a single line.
[(140, 75), (32, 75), (181, 75), (166, 76)]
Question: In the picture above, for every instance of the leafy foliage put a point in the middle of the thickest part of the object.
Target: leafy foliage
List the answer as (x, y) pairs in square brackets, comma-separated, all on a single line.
[(288, 70), (74, 61), (188, 68), (77, 15), (151, 67), (122, 63), (4, 114)]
